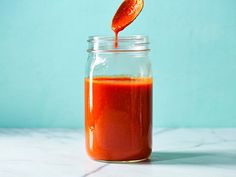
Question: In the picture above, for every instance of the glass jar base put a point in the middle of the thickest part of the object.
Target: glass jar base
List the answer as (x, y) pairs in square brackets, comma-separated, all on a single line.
[(123, 161)]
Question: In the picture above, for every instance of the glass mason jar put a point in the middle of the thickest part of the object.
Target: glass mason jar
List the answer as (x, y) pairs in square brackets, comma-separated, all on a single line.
[(118, 99)]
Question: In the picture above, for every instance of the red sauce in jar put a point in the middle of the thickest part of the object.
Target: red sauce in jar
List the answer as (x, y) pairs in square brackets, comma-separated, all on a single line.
[(118, 118)]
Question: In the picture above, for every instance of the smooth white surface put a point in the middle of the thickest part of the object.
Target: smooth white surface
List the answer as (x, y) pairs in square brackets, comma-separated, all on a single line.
[(61, 153)]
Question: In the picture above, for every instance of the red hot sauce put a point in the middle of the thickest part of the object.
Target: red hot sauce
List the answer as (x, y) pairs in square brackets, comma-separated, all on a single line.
[(126, 14), (118, 122)]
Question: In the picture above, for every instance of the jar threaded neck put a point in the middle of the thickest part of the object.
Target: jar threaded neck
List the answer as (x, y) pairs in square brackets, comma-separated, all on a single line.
[(135, 43)]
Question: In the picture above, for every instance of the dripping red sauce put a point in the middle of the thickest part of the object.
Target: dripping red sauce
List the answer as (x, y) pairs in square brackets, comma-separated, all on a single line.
[(126, 14)]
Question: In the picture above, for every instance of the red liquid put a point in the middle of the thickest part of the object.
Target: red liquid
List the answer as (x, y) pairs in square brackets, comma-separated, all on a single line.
[(118, 118), (116, 40), (126, 14)]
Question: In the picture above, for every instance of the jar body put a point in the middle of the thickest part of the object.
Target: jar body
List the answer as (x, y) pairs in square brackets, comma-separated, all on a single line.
[(118, 106)]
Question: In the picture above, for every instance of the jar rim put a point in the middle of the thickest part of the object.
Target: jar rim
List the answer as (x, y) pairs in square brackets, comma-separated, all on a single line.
[(132, 43), (121, 38)]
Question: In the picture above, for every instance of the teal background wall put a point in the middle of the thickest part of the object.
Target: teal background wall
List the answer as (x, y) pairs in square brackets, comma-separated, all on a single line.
[(43, 53)]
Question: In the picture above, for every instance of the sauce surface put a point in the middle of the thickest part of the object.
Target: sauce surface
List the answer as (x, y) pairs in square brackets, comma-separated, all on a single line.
[(118, 118)]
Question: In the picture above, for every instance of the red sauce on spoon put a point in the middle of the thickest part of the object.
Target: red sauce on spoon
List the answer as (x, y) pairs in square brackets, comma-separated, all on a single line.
[(126, 14)]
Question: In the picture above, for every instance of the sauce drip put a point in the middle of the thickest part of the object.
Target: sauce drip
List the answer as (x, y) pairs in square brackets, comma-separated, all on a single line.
[(126, 14)]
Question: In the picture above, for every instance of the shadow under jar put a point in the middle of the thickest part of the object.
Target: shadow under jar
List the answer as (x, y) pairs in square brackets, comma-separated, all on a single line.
[(118, 99)]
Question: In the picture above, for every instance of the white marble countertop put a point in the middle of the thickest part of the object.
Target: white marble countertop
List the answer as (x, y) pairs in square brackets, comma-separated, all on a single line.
[(61, 153)]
